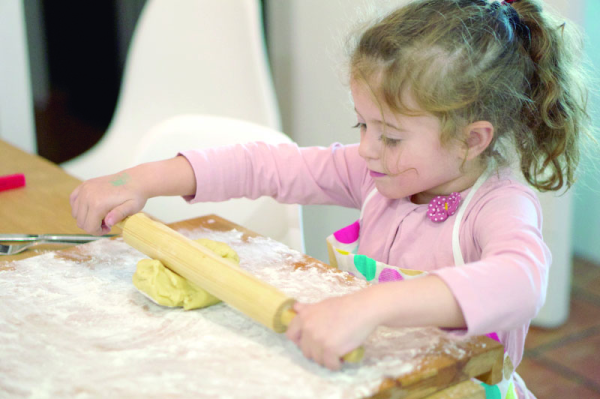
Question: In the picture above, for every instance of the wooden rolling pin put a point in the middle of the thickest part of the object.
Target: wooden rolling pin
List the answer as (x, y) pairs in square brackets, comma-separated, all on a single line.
[(219, 276)]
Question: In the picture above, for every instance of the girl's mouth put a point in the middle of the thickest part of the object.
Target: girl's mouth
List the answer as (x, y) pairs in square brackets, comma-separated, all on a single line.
[(376, 174)]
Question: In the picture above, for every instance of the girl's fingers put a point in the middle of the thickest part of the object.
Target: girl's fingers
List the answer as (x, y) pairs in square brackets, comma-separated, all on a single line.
[(316, 352), (96, 212), (73, 196), (299, 306), (294, 332), (331, 360), (305, 346), (105, 229), (120, 212), (93, 221), (74, 208), (82, 211), (311, 349)]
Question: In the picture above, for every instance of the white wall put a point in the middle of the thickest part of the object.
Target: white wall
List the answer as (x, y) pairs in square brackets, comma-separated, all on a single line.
[(586, 233), (16, 104)]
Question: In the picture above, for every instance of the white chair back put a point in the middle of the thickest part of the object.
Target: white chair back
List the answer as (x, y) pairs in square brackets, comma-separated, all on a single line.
[(186, 56)]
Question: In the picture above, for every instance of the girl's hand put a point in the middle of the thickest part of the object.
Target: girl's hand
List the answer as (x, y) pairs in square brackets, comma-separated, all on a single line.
[(327, 330), (98, 204)]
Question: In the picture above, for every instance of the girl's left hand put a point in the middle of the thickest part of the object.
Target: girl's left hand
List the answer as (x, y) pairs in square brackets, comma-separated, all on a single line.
[(327, 330)]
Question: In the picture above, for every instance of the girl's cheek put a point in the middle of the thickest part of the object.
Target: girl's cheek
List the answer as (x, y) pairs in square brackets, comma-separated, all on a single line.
[(393, 161)]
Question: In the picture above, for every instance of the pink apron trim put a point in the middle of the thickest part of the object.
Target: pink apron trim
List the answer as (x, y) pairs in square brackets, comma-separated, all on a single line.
[(348, 234)]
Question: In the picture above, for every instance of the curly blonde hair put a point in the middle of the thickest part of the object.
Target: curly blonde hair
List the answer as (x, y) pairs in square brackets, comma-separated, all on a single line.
[(513, 65)]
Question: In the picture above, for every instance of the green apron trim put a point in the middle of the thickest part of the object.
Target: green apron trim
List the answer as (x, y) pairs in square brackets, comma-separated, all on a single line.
[(491, 391), (366, 266)]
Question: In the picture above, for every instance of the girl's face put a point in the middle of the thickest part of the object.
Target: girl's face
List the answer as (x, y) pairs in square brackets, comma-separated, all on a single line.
[(405, 156)]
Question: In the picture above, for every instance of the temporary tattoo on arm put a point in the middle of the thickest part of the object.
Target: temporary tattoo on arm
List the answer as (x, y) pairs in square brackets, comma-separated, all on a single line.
[(120, 180)]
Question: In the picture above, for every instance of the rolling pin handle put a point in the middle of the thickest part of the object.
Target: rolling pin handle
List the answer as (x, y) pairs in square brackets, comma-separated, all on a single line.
[(121, 224), (354, 356)]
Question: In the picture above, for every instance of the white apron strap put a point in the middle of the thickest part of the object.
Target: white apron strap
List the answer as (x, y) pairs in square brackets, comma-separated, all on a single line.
[(458, 258), (364, 205)]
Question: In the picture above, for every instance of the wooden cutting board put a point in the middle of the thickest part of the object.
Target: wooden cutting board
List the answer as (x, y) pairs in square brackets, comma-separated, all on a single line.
[(446, 369)]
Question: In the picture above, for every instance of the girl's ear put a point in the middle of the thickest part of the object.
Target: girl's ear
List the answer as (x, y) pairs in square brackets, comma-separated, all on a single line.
[(479, 135)]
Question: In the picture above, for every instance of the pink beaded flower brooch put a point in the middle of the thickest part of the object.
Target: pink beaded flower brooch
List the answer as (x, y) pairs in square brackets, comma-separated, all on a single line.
[(443, 206)]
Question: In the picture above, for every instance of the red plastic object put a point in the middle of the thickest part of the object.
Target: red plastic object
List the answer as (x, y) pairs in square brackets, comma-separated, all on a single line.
[(12, 181)]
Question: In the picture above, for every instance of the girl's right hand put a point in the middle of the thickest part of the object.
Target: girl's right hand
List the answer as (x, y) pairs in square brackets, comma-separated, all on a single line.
[(100, 203)]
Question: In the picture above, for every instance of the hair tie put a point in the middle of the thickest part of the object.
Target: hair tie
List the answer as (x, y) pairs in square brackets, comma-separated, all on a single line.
[(520, 28)]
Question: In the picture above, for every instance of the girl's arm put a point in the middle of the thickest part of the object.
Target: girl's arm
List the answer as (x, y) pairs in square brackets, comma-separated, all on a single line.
[(424, 301), (504, 287), (100, 203), (290, 174), (501, 291), (327, 330)]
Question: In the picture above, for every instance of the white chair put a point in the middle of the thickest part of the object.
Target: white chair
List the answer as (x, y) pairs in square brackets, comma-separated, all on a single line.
[(266, 216), (195, 57), (186, 56)]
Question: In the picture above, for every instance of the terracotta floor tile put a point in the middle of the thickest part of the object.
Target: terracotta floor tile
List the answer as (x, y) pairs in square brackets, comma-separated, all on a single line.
[(582, 316), (545, 383), (581, 356), (584, 271), (593, 287)]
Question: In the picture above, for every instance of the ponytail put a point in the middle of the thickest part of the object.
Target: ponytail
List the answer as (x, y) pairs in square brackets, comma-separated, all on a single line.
[(555, 115)]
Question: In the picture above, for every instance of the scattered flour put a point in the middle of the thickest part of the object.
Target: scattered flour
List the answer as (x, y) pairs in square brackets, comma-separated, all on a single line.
[(75, 326)]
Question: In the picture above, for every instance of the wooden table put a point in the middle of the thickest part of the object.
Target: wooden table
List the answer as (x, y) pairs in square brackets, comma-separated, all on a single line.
[(43, 207)]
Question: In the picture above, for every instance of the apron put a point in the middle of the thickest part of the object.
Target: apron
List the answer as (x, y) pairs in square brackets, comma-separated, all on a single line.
[(343, 254)]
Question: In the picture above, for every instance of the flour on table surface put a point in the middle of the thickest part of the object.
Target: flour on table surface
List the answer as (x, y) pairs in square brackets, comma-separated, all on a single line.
[(75, 326)]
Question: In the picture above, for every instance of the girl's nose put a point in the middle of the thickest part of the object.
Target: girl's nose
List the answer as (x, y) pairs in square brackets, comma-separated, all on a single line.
[(369, 146)]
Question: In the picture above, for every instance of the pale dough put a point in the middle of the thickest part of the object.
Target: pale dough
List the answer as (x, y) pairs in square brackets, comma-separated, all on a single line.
[(167, 288)]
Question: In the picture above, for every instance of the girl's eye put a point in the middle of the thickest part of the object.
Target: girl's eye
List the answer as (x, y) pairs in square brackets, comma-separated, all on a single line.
[(388, 141)]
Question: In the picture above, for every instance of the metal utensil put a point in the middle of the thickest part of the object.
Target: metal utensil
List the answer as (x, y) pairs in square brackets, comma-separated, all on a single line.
[(27, 241), (69, 238)]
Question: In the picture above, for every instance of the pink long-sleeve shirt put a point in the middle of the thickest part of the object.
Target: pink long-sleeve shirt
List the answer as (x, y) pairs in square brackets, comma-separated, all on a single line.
[(503, 283)]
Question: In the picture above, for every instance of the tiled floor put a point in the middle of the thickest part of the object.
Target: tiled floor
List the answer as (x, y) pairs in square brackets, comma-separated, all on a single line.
[(565, 362)]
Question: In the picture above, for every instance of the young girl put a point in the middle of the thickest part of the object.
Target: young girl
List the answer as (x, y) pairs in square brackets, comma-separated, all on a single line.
[(446, 92)]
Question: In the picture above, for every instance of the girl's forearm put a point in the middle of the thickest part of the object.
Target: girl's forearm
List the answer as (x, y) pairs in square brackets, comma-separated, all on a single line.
[(419, 302), (170, 177)]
